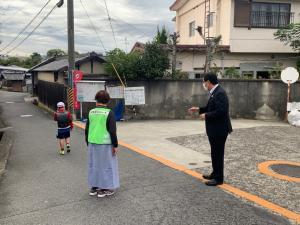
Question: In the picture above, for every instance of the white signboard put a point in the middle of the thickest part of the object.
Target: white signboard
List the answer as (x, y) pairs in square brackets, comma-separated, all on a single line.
[(289, 75), (134, 95), (291, 106), (115, 91), (86, 90)]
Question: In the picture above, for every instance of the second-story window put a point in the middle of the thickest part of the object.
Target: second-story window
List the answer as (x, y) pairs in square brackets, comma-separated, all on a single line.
[(192, 27), (270, 15), (261, 14)]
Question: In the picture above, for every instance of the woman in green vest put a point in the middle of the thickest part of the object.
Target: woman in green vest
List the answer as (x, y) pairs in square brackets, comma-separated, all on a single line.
[(101, 137)]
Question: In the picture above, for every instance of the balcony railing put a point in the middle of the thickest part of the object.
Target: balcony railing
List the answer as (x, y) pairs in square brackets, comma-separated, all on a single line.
[(263, 19)]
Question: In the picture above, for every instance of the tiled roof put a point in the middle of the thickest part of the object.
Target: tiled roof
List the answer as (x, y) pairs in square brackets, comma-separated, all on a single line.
[(13, 68), (62, 62)]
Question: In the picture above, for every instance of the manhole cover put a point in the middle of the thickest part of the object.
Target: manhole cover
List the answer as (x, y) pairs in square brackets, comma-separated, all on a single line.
[(287, 170)]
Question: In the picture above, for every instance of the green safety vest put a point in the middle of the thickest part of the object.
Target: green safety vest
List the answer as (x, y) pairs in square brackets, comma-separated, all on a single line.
[(98, 133)]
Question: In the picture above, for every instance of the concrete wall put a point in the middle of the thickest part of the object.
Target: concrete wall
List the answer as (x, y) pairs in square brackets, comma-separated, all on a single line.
[(171, 99)]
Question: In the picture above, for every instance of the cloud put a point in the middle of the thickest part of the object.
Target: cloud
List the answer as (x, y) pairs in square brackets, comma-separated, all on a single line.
[(133, 20)]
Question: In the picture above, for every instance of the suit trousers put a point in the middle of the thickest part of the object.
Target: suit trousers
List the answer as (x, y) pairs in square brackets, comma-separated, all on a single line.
[(217, 145)]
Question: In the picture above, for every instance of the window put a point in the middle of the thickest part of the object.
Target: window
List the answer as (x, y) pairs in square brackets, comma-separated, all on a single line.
[(192, 27), (55, 76), (242, 11), (261, 14), (270, 15), (198, 76)]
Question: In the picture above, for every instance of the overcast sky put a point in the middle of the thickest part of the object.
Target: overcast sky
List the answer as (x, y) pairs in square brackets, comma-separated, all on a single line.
[(134, 20)]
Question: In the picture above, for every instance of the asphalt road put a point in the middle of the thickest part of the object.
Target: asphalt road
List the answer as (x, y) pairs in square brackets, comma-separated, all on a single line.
[(41, 187)]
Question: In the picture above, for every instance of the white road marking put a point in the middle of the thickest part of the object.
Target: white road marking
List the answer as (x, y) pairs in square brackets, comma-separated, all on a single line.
[(26, 116), (9, 102)]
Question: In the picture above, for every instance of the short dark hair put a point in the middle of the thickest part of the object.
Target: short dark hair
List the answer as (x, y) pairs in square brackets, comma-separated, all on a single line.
[(211, 77), (102, 97)]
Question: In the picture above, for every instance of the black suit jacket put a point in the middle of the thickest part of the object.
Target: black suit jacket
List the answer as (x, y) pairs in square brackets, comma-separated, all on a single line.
[(217, 118)]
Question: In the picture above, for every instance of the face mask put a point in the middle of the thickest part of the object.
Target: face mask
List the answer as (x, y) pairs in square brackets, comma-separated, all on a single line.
[(204, 86)]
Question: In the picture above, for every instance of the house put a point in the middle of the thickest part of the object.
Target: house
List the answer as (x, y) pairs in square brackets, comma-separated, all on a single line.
[(54, 70), (246, 28), (13, 78), (187, 55)]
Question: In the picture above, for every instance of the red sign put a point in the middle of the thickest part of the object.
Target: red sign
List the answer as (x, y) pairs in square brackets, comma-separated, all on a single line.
[(77, 76)]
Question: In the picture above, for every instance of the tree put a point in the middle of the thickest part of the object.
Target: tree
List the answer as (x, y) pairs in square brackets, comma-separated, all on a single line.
[(55, 53), (290, 35), (34, 59), (232, 72), (126, 64), (154, 61), (161, 36)]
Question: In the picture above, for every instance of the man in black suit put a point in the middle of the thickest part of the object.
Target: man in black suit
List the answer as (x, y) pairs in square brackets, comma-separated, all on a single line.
[(218, 126)]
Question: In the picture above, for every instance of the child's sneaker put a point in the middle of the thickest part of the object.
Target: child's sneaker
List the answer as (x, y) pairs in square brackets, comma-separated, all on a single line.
[(93, 191), (68, 148)]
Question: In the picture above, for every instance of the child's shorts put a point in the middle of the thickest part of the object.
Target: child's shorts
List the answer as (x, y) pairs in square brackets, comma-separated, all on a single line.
[(63, 133)]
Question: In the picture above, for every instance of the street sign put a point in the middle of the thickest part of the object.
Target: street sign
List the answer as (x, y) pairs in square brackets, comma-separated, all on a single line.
[(289, 75), (134, 95), (77, 75), (86, 90), (115, 92)]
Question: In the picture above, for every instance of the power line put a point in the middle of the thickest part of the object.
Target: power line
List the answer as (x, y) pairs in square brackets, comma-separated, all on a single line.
[(93, 26), (22, 31), (36, 27), (119, 19), (111, 27)]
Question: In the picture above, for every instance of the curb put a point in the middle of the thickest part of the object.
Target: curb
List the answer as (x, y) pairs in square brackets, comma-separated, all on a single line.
[(6, 144)]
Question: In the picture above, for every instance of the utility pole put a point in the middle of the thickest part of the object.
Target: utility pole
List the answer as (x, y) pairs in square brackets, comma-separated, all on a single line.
[(71, 54), (174, 38)]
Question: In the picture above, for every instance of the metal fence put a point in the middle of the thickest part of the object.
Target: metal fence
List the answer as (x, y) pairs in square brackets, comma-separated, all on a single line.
[(271, 19), (51, 93)]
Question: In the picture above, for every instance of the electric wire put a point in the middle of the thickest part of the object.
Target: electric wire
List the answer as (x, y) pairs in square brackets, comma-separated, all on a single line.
[(25, 28), (32, 32), (93, 26), (111, 26)]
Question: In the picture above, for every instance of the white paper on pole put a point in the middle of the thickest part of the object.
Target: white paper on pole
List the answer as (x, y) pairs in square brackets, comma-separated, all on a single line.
[(134, 96), (86, 90), (115, 91)]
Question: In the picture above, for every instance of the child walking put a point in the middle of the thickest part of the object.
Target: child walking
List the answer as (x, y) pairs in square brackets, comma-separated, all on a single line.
[(64, 127)]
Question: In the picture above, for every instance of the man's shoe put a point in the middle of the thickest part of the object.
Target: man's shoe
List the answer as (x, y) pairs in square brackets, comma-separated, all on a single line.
[(213, 182), (208, 177)]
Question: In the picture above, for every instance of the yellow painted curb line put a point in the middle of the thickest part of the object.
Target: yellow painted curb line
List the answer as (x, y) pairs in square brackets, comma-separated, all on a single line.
[(265, 169), (237, 192)]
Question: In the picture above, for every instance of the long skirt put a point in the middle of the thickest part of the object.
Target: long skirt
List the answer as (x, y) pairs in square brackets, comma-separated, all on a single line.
[(103, 169)]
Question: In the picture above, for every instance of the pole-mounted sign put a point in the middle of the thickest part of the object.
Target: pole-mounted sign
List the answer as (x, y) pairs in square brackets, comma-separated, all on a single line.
[(289, 76)]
